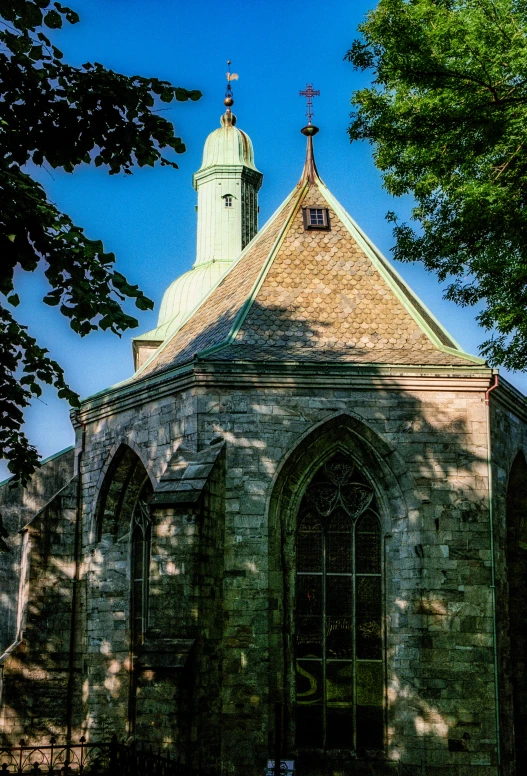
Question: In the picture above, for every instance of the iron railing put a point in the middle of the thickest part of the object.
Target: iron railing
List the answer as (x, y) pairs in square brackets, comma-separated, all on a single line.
[(96, 759)]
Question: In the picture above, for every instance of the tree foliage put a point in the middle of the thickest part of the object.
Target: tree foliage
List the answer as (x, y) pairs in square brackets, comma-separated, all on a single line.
[(62, 116), (447, 115)]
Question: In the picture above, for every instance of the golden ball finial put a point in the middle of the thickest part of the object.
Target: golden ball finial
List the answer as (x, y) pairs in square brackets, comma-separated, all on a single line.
[(228, 101)]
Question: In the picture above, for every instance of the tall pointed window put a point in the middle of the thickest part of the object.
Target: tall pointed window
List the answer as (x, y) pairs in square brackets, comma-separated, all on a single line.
[(123, 525), (338, 613), (140, 564)]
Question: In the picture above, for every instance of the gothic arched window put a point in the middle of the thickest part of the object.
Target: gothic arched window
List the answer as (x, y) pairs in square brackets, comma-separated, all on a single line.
[(124, 530), (338, 613)]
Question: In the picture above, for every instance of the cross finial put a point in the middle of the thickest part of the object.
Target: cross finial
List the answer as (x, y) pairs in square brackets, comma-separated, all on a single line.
[(309, 93)]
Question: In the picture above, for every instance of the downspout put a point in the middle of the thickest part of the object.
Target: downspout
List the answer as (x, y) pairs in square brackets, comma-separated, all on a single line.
[(493, 576), (75, 586)]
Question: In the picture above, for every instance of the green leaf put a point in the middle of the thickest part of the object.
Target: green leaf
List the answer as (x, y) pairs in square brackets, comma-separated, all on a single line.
[(61, 116), (35, 52), (143, 303), (445, 111), (167, 95), (181, 94), (53, 20)]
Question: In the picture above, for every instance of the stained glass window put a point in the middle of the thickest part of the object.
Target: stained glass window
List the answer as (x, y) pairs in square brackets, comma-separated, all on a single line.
[(338, 613)]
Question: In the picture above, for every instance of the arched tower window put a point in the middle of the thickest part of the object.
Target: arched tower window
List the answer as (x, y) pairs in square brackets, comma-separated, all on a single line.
[(517, 582), (338, 612)]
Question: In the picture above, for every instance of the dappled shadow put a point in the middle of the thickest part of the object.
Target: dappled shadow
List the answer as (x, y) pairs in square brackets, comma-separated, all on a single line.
[(439, 657), (222, 573), (36, 701)]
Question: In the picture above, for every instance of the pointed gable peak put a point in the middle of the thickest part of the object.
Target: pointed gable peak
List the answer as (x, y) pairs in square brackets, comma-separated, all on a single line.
[(310, 172), (311, 287)]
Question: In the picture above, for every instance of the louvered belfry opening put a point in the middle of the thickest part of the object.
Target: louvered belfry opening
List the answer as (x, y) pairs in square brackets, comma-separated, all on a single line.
[(338, 613)]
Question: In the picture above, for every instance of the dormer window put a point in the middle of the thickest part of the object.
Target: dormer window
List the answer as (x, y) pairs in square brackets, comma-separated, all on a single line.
[(228, 200), (316, 217)]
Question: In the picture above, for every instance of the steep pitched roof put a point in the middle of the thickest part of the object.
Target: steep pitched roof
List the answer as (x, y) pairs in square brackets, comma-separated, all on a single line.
[(323, 296)]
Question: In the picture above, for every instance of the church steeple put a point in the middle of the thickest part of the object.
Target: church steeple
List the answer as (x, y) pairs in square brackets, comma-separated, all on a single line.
[(309, 173), (227, 184)]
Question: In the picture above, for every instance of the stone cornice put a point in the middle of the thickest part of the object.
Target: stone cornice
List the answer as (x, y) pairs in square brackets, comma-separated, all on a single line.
[(235, 171), (289, 375)]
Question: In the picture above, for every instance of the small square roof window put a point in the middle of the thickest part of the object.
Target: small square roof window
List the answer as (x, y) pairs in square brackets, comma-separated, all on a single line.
[(316, 218)]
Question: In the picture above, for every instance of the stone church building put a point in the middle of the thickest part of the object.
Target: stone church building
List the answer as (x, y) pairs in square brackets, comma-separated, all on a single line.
[(301, 523)]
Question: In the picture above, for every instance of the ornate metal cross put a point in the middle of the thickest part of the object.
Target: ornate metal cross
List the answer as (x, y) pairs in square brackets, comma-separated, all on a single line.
[(309, 93)]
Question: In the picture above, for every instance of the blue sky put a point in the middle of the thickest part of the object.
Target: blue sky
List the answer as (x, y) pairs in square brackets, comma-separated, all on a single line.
[(149, 219)]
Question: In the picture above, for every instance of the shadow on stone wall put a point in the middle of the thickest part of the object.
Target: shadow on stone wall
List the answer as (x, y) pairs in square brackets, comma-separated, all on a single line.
[(438, 606), (35, 700), (423, 448)]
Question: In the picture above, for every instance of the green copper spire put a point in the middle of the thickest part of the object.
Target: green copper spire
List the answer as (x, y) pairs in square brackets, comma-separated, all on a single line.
[(227, 184)]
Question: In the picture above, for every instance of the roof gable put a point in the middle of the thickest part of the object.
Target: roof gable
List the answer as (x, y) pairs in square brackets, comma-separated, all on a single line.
[(322, 292), (310, 295)]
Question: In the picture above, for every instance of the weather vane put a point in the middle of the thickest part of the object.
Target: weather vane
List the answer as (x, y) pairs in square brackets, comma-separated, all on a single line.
[(228, 101), (309, 93)]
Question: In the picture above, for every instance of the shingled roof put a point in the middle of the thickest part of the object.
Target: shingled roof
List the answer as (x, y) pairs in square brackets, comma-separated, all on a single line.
[(302, 295)]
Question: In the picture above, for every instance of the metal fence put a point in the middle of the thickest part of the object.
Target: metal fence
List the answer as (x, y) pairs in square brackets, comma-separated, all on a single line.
[(96, 759)]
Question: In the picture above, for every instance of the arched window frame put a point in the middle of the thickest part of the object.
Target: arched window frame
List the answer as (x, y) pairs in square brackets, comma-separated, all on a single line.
[(380, 462), (123, 518), (323, 498)]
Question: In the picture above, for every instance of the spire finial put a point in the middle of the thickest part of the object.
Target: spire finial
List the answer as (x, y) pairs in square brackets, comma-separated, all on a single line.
[(310, 169), (229, 100)]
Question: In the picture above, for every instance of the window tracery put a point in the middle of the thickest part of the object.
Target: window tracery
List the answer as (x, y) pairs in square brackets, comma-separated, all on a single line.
[(338, 614)]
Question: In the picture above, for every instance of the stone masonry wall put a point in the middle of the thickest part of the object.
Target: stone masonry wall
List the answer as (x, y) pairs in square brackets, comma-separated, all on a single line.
[(154, 431), (35, 702), (219, 579), (18, 506), (180, 705), (438, 601), (509, 437)]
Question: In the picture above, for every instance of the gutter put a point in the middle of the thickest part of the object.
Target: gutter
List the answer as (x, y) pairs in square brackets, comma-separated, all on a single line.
[(74, 593), (493, 576)]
